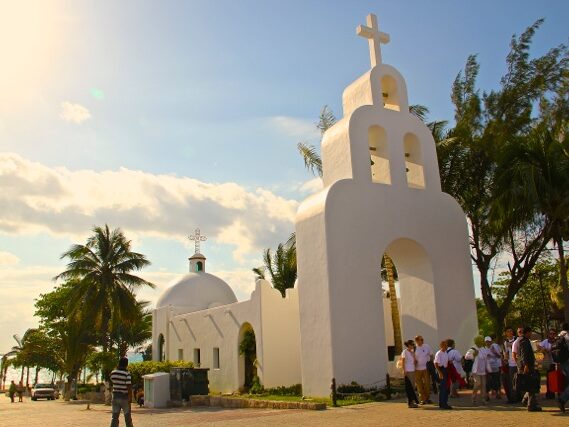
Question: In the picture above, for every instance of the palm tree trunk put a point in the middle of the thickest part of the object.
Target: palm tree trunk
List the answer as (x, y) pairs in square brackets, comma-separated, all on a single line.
[(37, 374), (563, 276), (394, 306), (27, 376), (22, 374)]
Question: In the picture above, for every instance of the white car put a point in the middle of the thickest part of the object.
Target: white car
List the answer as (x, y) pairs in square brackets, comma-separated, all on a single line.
[(44, 391)]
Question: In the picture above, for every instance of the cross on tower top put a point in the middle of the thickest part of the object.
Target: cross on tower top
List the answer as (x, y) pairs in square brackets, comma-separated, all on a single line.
[(197, 238), (375, 38)]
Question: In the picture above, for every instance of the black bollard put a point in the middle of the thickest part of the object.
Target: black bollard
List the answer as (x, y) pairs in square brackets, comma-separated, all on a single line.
[(387, 387), (334, 394)]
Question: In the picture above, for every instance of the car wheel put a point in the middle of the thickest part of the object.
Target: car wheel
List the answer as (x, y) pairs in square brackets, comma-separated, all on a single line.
[(34, 398)]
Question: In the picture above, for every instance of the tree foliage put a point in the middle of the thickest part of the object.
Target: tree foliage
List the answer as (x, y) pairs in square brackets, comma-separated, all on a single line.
[(478, 159), (103, 281)]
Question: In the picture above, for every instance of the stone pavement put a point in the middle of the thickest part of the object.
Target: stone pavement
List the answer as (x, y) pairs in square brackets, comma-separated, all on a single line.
[(393, 413)]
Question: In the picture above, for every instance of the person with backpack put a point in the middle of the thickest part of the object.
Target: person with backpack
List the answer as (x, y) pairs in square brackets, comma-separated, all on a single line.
[(528, 377), (455, 358), (493, 383), (560, 355), (479, 356), (547, 363)]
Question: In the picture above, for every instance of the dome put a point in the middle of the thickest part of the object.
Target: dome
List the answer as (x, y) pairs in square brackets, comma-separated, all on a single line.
[(197, 291)]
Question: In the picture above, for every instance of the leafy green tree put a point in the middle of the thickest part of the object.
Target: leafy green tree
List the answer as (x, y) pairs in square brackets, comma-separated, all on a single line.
[(473, 160), (135, 332), (146, 352), (5, 362), (104, 285), (73, 333), (98, 362), (533, 181)]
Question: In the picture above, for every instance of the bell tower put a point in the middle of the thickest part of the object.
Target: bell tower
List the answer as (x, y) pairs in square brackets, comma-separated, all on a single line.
[(381, 194)]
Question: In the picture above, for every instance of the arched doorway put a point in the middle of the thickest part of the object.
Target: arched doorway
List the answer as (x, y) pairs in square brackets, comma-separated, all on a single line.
[(414, 291), (161, 348), (247, 357)]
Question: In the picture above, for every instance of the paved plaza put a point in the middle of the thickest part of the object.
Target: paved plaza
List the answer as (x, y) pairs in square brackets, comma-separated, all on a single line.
[(393, 413)]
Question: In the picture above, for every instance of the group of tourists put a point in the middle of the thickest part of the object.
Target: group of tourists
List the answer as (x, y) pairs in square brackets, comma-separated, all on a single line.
[(488, 367)]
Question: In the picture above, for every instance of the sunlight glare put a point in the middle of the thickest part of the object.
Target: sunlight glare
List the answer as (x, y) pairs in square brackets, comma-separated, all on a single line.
[(27, 39)]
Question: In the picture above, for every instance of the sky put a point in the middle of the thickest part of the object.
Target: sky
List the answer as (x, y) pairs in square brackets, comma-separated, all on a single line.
[(160, 117)]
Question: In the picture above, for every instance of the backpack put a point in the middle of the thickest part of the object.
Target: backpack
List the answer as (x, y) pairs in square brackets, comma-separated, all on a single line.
[(560, 350), (468, 364)]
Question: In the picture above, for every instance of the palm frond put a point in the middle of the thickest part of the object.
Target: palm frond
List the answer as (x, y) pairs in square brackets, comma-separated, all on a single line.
[(326, 120), (419, 111), (311, 157)]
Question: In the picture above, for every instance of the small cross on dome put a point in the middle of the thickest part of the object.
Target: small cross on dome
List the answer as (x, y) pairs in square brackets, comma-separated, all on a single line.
[(197, 238), (375, 38)]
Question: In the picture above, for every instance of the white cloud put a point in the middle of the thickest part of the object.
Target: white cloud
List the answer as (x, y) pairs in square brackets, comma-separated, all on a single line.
[(6, 258), (37, 198), (296, 127), (312, 186), (75, 113)]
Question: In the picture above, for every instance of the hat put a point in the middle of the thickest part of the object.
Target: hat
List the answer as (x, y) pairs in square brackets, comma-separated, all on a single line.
[(487, 339)]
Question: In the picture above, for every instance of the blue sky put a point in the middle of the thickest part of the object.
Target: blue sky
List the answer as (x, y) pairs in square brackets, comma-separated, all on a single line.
[(159, 117)]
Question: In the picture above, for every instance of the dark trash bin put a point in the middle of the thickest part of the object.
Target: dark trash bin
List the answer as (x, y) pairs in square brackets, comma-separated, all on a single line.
[(185, 382)]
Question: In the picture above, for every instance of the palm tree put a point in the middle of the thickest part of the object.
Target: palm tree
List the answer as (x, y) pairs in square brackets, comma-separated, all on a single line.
[(5, 362), (104, 290), (281, 267), (533, 181), (134, 333)]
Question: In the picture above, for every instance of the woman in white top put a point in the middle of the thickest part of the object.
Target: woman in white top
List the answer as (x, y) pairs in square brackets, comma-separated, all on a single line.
[(494, 366), (408, 364), (547, 363), (455, 358), (479, 369)]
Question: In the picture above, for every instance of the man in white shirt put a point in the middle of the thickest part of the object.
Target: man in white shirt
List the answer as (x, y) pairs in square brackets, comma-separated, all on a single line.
[(423, 354), (441, 363)]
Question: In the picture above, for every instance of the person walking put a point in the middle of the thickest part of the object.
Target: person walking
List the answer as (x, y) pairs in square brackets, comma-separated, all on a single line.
[(423, 354), (12, 391), (564, 364), (531, 380), (441, 364), (494, 366), (479, 355), (20, 391), (547, 364), (455, 358), (512, 366), (122, 393), (408, 363)]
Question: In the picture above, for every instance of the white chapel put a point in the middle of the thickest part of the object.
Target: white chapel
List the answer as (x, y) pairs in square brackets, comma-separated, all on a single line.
[(381, 194)]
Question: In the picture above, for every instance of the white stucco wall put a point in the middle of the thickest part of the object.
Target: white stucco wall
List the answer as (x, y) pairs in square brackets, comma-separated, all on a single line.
[(343, 231), (274, 320)]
